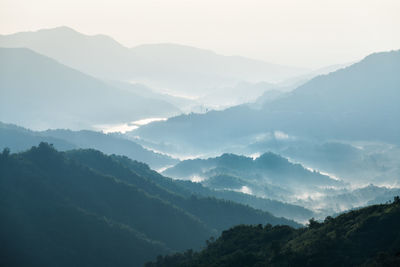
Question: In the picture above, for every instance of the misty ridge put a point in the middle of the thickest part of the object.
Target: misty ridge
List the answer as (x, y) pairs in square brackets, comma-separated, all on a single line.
[(114, 155)]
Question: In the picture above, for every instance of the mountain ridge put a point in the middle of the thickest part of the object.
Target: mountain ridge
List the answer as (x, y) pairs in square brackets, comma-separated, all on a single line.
[(341, 241), (344, 108), (49, 89), (112, 61)]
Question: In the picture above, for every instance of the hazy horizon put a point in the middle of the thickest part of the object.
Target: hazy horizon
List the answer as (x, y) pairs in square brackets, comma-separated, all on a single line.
[(295, 33), (200, 133)]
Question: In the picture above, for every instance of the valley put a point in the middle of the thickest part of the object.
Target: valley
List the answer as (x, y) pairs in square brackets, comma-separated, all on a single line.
[(166, 154)]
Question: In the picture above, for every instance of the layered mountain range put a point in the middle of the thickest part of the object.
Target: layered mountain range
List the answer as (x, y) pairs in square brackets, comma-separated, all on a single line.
[(359, 102), (114, 156), (82, 203)]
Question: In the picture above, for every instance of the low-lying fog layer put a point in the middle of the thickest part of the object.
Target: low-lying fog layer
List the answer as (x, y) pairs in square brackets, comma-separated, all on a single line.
[(326, 177), (347, 175)]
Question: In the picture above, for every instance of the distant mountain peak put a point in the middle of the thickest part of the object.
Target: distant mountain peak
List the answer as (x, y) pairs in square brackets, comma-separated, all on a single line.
[(60, 28)]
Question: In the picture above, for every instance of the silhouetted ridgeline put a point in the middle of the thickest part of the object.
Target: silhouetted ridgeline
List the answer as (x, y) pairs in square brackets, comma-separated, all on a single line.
[(85, 208), (365, 237)]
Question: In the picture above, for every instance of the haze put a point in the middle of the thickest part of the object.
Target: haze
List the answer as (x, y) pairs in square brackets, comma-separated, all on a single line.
[(199, 133), (307, 33)]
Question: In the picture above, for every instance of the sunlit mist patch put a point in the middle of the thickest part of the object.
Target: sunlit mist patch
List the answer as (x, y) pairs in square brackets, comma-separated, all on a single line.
[(115, 128), (147, 121), (126, 127), (254, 156), (245, 190), (197, 179)]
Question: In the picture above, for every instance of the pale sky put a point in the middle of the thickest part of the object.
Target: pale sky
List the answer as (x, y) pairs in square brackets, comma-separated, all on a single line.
[(308, 33)]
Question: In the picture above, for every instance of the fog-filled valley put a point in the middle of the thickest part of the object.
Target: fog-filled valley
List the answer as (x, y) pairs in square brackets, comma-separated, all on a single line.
[(115, 155)]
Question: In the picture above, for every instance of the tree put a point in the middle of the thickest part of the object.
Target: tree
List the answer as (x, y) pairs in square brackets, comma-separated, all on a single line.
[(312, 223), (6, 152)]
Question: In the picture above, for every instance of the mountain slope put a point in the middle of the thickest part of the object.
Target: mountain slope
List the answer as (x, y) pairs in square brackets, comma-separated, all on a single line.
[(277, 208), (92, 55), (50, 198), (359, 102), (112, 144), (269, 176), (19, 139), (365, 237), (205, 208), (93, 240), (179, 66), (38, 92), (187, 70), (188, 189)]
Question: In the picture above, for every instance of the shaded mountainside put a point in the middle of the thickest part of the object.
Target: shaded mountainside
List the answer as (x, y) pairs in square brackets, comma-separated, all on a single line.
[(19, 139), (81, 206), (365, 237), (39, 92), (359, 102), (112, 144)]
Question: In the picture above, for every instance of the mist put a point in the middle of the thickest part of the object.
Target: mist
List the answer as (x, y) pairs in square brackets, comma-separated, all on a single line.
[(213, 133)]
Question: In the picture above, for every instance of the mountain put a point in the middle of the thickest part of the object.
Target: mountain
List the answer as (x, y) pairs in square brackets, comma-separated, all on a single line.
[(273, 183), (185, 104), (240, 93), (92, 55), (359, 102), (182, 67), (358, 162), (365, 237), (38, 92), (112, 144), (19, 139), (81, 206), (269, 176), (275, 207), (352, 198), (176, 68)]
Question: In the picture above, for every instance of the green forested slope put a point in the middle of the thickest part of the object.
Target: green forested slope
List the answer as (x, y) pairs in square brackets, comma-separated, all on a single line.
[(365, 237), (83, 207)]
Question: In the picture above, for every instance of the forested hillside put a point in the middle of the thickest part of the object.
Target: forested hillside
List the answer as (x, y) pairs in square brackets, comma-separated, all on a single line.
[(365, 237), (81, 206)]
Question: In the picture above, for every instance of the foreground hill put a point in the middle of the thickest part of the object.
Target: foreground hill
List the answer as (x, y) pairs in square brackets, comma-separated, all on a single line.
[(19, 139), (39, 92), (359, 102), (70, 208), (365, 237)]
